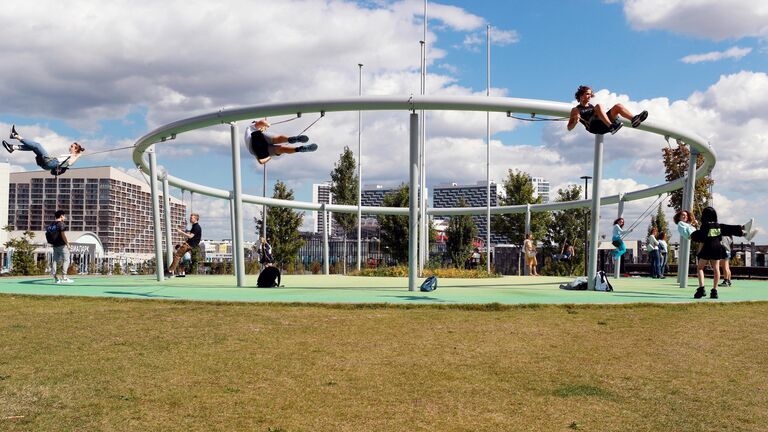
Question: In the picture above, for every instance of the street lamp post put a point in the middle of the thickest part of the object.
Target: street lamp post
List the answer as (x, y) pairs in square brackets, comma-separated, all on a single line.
[(586, 222)]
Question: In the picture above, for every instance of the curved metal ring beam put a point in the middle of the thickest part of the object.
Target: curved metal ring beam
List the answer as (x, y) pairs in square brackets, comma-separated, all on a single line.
[(412, 103)]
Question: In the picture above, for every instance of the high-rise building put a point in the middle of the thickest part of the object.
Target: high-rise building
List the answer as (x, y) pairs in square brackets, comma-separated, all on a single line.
[(540, 188), (321, 194), (448, 195), (104, 200)]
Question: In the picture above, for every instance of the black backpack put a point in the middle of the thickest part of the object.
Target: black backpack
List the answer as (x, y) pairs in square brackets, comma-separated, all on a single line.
[(52, 232), (269, 277), (429, 284)]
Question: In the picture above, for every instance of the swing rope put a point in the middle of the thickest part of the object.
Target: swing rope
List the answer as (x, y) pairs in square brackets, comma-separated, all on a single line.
[(533, 118), (660, 199), (322, 114), (298, 115)]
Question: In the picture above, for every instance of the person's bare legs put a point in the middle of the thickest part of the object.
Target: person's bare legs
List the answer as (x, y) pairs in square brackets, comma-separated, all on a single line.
[(700, 271), (617, 110), (716, 270)]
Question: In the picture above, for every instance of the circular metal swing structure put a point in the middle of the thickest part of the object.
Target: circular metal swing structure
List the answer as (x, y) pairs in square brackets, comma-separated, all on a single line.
[(410, 105)]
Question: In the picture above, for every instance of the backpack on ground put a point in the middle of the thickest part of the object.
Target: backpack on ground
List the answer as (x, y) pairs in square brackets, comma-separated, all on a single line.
[(602, 283), (429, 284), (578, 284), (269, 277), (52, 232)]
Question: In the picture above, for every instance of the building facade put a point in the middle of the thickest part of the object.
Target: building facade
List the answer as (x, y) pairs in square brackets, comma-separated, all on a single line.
[(541, 188), (449, 195), (321, 194), (103, 200)]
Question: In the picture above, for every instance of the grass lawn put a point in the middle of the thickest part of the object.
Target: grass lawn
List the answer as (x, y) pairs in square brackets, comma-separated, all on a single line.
[(102, 364)]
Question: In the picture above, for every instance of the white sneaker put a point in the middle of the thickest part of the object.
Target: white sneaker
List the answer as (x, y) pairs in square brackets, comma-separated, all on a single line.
[(750, 235), (748, 226), (58, 281), (68, 280)]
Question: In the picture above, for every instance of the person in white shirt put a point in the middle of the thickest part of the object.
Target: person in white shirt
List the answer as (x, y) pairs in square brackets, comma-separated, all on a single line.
[(652, 247), (56, 164), (264, 145), (663, 254)]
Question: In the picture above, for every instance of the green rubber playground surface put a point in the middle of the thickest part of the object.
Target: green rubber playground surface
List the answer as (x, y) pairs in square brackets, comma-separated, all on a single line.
[(351, 289)]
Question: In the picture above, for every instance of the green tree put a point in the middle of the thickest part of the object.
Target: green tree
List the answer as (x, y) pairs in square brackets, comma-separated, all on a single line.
[(23, 261), (659, 221), (461, 230), (567, 226), (394, 228), (344, 191), (519, 191), (283, 228), (676, 166)]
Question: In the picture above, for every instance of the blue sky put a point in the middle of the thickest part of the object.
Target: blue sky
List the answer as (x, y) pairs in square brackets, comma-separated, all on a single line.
[(104, 75)]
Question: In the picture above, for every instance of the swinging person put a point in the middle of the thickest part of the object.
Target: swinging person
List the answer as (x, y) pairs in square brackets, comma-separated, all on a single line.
[(264, 145), (57, 165), (595, 120)]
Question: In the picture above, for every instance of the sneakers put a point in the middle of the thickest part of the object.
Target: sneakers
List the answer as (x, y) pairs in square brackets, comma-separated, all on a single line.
[(14, 134), (748, 226), (57, 280), (8, 146), (300, 138), (636, 120), (700, 292), (713, 293), (168, 274), (725, 283), (615, 126), (750, 235), (306, 148)]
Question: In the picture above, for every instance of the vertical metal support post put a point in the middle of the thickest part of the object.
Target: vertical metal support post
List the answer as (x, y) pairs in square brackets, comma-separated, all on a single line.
[(413, 214), (688, 196), (597, 177), (238, 256), (488, 159), (264, 207), (167, 211), (527, 230), (326, 260), (232, 230), (156, 214), (617, 264), (360, 175)]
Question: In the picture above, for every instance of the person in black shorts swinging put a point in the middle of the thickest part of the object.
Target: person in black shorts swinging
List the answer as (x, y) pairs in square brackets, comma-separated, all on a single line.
[(595, 120), (264, 145)]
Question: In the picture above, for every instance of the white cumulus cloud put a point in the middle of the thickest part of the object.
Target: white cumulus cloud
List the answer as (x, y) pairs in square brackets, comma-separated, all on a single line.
[(731, 53)]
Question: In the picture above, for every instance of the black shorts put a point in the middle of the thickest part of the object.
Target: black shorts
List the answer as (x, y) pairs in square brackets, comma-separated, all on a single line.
[(596, 126), (260, 144)]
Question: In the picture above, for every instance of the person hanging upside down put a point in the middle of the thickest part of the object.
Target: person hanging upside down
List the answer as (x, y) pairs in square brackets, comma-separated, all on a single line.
[(57, 165), (595, 120), (264, 145)]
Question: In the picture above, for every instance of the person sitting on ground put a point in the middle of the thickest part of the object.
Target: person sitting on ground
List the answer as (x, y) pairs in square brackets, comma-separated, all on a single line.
[(57, 165), (264, 145), (595, 120), (193, 237)]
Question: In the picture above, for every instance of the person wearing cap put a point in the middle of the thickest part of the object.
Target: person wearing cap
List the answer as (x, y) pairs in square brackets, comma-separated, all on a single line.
[(264, 146), (57, 164)]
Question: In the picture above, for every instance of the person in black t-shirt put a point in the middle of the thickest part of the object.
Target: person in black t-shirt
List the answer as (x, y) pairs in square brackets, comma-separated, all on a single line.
[(193, 236), (595, 120), (60, 245), (264, 145)]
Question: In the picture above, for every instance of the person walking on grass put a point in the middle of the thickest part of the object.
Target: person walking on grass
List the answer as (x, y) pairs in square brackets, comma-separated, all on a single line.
[(54, 233)]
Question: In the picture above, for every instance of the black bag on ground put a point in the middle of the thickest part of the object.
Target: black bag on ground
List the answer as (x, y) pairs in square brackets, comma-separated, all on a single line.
[(579, 284), (429, 284), (269, 277)]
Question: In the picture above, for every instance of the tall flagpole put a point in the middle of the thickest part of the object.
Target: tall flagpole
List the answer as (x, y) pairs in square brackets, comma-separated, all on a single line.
[(488, 160), (423, 226)]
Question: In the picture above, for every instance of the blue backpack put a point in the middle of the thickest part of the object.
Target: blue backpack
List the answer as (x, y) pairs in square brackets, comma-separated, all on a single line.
[(430, 284)]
